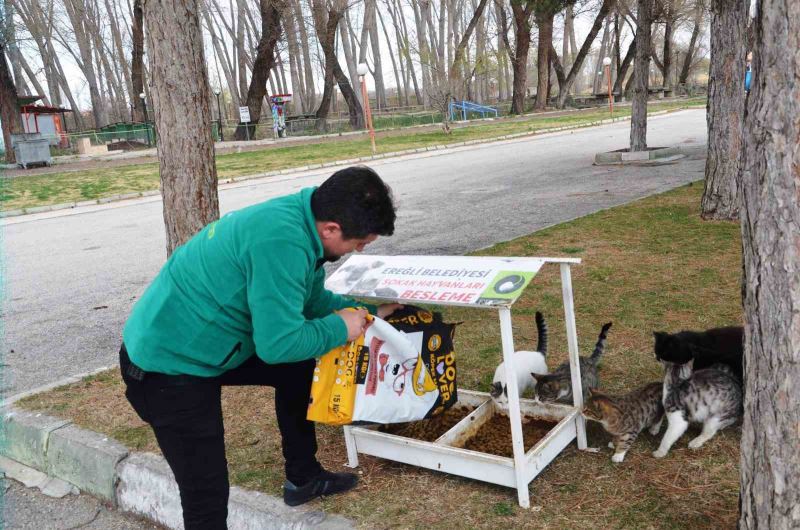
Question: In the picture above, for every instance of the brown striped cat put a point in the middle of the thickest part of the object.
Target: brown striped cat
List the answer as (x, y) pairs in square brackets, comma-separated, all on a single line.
[(556, 387), (624, 417)]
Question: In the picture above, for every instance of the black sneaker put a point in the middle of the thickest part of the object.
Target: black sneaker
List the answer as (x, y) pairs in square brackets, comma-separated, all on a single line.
[(326, 483)]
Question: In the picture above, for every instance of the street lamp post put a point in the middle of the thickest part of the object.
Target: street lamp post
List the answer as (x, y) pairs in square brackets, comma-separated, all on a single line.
[(607, 65), (146, 121), (362, 73), (219, 117)]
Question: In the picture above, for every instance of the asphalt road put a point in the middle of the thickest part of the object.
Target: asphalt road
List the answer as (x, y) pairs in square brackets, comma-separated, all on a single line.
[(72, 276)]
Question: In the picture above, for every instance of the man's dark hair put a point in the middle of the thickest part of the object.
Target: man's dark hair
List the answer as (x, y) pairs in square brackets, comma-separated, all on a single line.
[(358, 200)]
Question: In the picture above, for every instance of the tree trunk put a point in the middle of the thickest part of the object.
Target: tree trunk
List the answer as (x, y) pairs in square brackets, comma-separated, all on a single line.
[(770, 452), (563, 90), (137, 60), (544, 21), (641, 72), (264, 63), (326, 20), (295, 68), (598, 65), (623, 69), (9, 109), (669, 20), (117, 37), (725, 110), (522, 43), (181, 96), (311, 94), (424, 52), (394, 61), (77, 13), (377, 70), (687, 61)]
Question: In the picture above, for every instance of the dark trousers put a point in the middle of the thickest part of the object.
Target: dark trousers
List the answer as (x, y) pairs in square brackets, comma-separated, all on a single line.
[(185, 413)]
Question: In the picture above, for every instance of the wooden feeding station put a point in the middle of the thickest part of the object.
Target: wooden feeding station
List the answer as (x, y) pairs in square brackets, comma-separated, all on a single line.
[(484, 283)]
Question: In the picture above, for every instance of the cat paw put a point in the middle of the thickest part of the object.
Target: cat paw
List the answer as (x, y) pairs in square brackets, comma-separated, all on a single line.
[(611, 445), (659, 454), (592, 450), (697, 443), (654, 430), (618, 457)]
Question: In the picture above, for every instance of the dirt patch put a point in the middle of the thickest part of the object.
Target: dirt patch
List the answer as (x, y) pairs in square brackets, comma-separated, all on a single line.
[(494, 436)]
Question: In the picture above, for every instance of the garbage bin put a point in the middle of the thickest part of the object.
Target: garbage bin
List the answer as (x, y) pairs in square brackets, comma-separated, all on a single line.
[(32, 151)]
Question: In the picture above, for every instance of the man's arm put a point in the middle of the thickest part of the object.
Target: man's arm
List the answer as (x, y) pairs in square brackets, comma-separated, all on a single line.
[(277, 277)]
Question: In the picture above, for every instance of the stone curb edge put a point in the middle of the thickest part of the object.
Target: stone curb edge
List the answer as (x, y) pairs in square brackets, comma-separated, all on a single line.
[(141, 483), (336, 163)]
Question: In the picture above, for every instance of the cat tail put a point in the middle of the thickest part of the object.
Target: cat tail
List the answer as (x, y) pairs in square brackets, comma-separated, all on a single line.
[(600, 347), (541, 328)]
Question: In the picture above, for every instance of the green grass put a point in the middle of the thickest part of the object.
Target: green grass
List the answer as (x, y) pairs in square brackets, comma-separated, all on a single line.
[(649, 265), (74, 186)]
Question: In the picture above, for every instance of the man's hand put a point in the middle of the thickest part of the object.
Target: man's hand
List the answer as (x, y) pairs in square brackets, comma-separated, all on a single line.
[(355, 320), (384, 310)]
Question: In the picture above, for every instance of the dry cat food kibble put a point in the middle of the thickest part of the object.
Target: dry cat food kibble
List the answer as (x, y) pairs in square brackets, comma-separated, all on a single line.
[(431, 429), (494, 436)]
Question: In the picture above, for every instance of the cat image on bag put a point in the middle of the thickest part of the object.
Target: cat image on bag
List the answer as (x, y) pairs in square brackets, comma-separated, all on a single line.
[(557, 385), (711, 396), (624, 417), (525, 362), (713, 346)]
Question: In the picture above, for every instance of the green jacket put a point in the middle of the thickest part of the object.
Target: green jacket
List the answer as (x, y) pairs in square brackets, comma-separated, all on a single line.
[(249, 283)]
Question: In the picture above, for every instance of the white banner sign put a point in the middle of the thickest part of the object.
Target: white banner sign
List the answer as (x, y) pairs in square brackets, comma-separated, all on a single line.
[(244, 114), (441, 280)]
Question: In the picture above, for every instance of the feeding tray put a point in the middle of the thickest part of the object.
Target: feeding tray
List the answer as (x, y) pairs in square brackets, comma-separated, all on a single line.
[(508, 445)]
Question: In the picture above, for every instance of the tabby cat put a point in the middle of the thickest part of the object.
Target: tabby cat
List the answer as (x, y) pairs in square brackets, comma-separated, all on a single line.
[(711, 396), (713, 346), (525, 362), (624, 417), (557, 385)]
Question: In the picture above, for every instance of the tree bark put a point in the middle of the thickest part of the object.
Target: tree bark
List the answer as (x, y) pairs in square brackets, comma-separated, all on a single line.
[(544, 21), (264, 63), (669, 21), (181, 97), (9, 109), (522, 44), (137, 61), (725, 111), (641, 73), (770, 452)]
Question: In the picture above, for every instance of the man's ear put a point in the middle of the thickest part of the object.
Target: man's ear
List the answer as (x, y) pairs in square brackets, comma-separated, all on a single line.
[(328, 229)]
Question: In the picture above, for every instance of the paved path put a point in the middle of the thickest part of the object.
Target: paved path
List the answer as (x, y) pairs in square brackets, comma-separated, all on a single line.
[(27, 509), (73, 275)]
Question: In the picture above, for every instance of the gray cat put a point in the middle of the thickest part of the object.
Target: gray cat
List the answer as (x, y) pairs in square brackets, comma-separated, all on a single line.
[(711, 396), (557, 385), (624, 417)]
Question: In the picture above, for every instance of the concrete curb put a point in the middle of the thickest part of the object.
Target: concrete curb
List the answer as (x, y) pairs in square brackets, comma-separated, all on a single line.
[(336, 163), (137, 482), (625, 157)]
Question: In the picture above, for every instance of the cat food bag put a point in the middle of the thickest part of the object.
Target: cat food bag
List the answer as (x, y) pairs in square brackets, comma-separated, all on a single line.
[(402, 369)]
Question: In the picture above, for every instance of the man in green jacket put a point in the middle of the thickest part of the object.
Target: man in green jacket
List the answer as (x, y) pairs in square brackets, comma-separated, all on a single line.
[(243, 303)]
